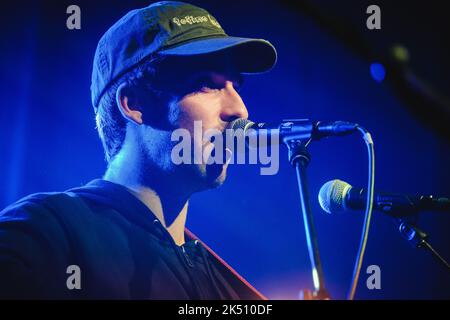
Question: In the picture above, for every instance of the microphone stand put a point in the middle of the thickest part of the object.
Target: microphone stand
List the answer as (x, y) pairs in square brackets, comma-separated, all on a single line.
[(418, 239), (299, 158)]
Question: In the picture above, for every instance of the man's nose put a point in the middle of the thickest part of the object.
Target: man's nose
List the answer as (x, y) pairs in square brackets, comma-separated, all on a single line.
[(232, 107)]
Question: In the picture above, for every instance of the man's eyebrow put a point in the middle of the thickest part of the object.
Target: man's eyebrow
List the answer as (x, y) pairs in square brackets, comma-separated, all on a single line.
[(204, 77), (236, 78)]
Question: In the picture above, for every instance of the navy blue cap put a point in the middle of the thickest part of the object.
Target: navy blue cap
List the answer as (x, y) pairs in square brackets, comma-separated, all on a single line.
[(170, 28)]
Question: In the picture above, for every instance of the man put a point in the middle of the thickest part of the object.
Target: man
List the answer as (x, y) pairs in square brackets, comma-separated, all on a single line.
[(157, 70)]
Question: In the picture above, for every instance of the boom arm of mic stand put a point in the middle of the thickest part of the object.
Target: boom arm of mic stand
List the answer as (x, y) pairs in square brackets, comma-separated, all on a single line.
[(299, 158)]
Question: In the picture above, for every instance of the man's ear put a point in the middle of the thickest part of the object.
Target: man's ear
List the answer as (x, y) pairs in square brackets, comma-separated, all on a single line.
[(128, 104)]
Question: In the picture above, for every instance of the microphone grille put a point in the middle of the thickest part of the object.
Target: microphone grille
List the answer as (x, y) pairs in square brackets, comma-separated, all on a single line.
[(240, 123), (332, 194)]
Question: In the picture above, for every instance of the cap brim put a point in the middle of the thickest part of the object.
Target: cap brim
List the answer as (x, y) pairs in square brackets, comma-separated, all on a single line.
[(250, 55)]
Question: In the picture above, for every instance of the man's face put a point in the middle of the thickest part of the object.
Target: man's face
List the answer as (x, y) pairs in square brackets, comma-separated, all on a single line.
[(205, 95)]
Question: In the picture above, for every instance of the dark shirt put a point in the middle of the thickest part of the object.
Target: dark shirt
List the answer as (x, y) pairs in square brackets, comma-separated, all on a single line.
[(121, 249)]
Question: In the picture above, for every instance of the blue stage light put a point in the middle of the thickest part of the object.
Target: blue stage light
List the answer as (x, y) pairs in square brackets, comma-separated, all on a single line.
[(377, 71)]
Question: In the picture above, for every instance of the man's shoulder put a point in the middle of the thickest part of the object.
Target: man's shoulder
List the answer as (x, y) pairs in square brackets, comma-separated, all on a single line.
[(47, 210), (72, 213), (40, 203)]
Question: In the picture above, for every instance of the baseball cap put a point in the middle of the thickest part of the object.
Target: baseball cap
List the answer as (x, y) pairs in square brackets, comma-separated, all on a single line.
[(170, 28)]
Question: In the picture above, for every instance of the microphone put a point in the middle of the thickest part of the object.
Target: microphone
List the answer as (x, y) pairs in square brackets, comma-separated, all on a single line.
[(302, 129), (337, 196)]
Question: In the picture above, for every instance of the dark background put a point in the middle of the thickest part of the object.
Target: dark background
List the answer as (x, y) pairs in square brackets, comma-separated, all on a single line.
[(48, 140)]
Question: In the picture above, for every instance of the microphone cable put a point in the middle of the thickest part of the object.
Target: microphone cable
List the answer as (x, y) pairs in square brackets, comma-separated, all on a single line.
[(368, 214)]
